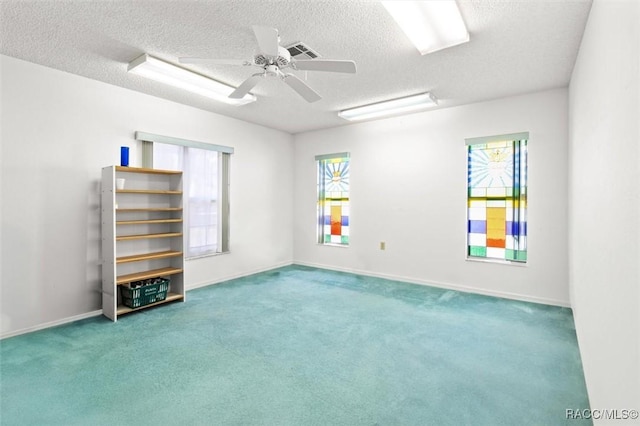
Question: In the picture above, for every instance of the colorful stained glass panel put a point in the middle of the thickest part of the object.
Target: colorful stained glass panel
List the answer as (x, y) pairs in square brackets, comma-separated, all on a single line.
[(336, 220), (497, 178), (333, 199)]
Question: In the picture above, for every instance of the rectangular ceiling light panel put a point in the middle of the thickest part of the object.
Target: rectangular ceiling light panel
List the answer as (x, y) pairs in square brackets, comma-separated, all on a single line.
[(430, 25), (164, 72), (392, 107)]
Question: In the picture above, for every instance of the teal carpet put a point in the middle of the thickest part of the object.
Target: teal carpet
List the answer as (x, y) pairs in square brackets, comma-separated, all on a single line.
[(302, 346)]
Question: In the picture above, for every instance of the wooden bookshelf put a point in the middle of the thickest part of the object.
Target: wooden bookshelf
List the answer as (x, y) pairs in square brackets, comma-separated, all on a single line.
[(145, 275), (148, 236), (146, 170), (148, 191), (147, 221), (151, 205), (149, 209), (171, 297), (148, 256)]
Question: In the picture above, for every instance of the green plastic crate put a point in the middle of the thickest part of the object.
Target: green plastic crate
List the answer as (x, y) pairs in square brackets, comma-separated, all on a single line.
[(146, 294)]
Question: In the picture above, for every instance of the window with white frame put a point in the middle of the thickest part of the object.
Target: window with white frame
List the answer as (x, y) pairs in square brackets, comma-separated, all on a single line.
[(333, 198), (497, 197), (205, 187)]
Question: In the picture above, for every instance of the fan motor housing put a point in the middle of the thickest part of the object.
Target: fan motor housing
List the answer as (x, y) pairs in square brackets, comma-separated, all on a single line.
[(282, 60)]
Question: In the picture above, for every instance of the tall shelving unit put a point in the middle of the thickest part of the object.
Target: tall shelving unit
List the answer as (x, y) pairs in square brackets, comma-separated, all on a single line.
[(142, 233)]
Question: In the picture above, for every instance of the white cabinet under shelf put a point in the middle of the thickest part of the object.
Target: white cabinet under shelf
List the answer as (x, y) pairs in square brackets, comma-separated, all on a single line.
[(142, 233)]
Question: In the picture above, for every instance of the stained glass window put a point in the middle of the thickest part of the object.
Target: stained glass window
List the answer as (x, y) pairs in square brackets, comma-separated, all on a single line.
[(497, 199), (333, 199)]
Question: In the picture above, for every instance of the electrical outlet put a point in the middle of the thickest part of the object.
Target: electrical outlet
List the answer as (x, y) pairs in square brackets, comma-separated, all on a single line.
[(383, 245)]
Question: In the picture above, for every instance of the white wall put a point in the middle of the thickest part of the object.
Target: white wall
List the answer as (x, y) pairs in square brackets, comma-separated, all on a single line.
[(408, 188), (604, 242), (58, 131)]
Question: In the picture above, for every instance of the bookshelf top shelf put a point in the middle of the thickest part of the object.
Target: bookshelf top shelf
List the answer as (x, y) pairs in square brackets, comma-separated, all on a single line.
[(146, 170)]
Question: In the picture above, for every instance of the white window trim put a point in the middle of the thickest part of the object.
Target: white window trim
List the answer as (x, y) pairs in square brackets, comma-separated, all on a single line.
[(497, 138)]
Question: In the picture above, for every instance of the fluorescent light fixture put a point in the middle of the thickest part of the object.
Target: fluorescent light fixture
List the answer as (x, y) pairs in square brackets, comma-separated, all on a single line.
[(430, 25), (392, 107), (164, 72)]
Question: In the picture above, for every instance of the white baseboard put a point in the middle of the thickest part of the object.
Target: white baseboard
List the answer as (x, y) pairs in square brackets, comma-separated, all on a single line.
[(51, 324), (438, 284), (240, 275), (448, 286)]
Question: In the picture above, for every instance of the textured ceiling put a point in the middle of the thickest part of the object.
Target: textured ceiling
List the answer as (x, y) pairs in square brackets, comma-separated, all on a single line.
[(516, 47)]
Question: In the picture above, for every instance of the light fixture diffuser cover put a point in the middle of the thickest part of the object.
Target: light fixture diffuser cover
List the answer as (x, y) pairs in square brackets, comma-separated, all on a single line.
[(164, 72), (392, 107), (430, 25)]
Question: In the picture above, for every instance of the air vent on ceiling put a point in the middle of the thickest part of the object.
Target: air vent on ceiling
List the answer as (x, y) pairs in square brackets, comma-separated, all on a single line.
[(302, 51)]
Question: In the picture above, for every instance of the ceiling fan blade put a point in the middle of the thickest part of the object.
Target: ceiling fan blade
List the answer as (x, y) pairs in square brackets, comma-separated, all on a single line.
[(246, 86), (213, 61), (301, 88), (330, 65), (267, 40)]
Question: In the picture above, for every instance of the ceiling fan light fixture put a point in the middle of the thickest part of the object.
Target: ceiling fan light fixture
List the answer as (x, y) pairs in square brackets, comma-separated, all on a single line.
[(164, 72), (430, 25), (391, 107)]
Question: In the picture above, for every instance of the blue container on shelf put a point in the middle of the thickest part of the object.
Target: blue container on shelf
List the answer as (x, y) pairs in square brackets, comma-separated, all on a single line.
[(124, 156)]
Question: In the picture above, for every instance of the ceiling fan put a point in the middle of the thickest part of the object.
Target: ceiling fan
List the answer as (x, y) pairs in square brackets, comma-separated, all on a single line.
[(273, 59)]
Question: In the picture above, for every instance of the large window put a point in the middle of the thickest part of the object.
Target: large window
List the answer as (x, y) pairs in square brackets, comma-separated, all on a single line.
[(200, 184), (205, 186), (333, 199), (497, 198)]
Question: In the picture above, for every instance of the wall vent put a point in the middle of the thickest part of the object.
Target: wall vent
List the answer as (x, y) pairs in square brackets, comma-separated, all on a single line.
[(300, 50)]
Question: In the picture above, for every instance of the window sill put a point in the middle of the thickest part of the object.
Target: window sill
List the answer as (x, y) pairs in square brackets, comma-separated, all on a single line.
[(202, 256), (496, 261), (332, 245)]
